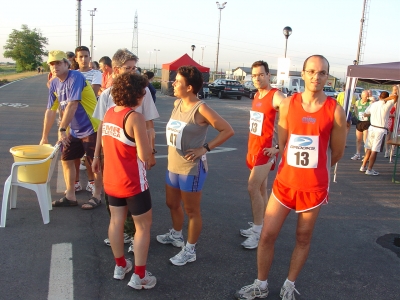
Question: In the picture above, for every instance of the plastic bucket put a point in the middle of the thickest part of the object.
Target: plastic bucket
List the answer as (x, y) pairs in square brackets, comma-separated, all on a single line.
[(28, 153)]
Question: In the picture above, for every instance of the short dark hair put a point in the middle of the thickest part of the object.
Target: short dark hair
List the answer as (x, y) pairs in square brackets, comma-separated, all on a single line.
[(105, 60), (383, 95), (315, 55), (128, 88), (149, 75), (192, 77), (260, 63), (70, 54), (96, 64), (81, 48)]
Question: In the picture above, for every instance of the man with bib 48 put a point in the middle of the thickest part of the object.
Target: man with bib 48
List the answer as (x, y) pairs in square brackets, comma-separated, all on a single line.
[(312, 137), (262, 147)]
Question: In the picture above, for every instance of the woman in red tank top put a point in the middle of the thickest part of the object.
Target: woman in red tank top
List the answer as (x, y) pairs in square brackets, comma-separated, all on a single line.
[(126, 148)]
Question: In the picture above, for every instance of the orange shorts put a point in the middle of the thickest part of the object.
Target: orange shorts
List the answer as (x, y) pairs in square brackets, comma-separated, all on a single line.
[(298, 200), (260, 159)]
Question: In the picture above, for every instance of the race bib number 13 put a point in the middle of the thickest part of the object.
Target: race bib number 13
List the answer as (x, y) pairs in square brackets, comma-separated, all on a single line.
[(256, 122), (174, 132), (303, 151)]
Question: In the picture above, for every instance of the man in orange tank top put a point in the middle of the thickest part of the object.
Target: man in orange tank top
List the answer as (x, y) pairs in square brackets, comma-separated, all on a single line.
[(312, 137), (262, 147)]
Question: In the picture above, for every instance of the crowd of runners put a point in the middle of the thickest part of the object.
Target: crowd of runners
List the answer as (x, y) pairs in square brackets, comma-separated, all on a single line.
[(107, 118)]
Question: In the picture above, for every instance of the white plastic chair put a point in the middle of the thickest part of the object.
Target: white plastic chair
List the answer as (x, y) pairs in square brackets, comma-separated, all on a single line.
[(42, 189)]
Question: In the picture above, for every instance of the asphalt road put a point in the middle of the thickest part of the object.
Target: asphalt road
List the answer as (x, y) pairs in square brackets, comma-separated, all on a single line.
[(352, 254)]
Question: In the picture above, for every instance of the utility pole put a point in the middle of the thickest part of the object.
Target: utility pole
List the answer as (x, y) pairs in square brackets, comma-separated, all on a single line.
[(78, 23), (363, 32), (92, 14), (135, 40), (220, 7)]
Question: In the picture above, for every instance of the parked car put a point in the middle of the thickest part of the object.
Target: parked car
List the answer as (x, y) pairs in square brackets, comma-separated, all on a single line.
[(357, 92), (226, 87), (249, 89), (330, 91)]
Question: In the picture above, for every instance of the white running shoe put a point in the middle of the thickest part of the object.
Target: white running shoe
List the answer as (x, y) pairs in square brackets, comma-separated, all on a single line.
[(147, 282), (119, 272), (252, 241), (90, 186), (169, 238), (356, 156), (127, 240), (363, 169), (183, 257), (252, 291), (130, 249), (247, 232), (372, 172), (287, 291)]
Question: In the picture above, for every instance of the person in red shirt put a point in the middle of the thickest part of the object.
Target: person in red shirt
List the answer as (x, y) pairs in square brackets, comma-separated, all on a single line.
[(126, 148), (262, 147), (105, 64), (312, 137)]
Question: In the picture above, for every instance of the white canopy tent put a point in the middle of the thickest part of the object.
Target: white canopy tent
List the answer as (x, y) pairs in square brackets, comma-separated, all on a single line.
[(385, 73)]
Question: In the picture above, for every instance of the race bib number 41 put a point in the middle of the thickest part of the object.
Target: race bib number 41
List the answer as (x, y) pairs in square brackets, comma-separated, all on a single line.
[(256, 122), (302, 151), (174, 132)]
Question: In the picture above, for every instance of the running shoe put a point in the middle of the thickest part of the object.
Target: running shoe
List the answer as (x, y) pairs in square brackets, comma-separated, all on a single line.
[(183, 257), (247, 232), (127, 240), (77, 187), (130, 249), (252, 241), (82, 167), (356, 156), (372, 172), (169, 238), (119, 272), (363, 169), (147, 282), (386, 154), (252, 291), (287, 291), (90, 186)]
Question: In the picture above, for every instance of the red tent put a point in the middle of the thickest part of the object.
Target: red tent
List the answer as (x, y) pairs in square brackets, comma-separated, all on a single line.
[(184, 60), (169, 72)]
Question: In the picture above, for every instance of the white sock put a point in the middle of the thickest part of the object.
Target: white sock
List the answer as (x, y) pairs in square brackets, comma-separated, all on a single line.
[(257, 228), (190, 246), (289, 282), (176, 233), (263, 284)]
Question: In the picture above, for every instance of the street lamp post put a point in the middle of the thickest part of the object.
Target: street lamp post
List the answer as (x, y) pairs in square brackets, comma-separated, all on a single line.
[(92, 14), (287, 31), (193, 47), (155, 69), (149, 57), (220, 7), (202, 54)]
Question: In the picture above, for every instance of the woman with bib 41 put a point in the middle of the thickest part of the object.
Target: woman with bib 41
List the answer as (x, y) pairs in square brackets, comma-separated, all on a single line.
[(187, 164)]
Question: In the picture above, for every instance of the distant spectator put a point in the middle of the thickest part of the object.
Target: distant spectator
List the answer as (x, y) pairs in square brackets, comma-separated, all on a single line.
[(150, 77), (71, 57), (370, 97), (107, 78), (363, 123), (94, 65), (139, 70), (392, 117)]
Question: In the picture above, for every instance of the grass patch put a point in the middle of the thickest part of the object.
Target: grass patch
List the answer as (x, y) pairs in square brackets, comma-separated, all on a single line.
[(16, 76)]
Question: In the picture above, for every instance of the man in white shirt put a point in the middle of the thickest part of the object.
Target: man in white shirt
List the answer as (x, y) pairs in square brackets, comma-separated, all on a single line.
[(379, 116), (82, 57)]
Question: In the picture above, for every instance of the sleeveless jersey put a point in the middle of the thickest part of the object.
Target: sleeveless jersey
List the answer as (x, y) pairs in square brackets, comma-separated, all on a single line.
[(124, 173), (184, 133), (306, 161), (263, 118), (361, 107)]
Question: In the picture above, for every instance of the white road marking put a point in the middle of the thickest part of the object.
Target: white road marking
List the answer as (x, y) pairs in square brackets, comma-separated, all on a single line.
[(61, 283)]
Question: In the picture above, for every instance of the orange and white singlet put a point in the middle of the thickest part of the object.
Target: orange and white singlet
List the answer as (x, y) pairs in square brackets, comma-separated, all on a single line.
[(124, 173), (306, 160), (263, 117)]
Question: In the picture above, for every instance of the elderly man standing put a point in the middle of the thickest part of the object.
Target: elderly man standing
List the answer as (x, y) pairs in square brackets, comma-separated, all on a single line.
[(77, 101)]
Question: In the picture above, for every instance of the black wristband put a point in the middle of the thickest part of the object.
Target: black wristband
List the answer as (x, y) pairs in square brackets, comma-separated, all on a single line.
[(154, 151), (205, 145), (62, 129)]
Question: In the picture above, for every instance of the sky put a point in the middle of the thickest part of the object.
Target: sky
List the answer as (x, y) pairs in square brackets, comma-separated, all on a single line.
[(250, 30)]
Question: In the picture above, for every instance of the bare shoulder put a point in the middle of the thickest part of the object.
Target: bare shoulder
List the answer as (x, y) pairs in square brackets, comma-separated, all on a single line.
[(339, 114), (284, 105), (136, 118), (277, 99)]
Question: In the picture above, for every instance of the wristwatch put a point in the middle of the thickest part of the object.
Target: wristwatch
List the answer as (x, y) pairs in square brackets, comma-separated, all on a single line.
[(276, 146), (62, 129), (205, 145), (154, 151)]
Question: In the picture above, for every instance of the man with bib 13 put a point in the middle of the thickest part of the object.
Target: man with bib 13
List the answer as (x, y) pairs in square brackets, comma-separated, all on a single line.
[(262, 147), (312, 137)]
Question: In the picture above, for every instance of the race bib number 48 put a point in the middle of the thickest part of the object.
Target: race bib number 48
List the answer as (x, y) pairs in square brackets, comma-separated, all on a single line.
[(302, 151), (256, 121), (174, 132)]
